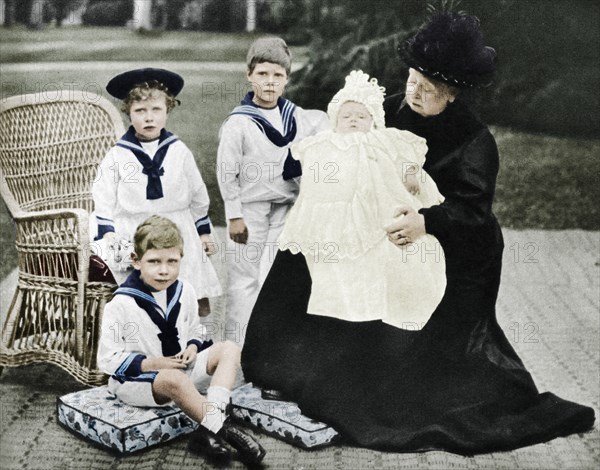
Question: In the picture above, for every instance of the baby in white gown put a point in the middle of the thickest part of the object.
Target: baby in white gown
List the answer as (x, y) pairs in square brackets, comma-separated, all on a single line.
[(354, 178)]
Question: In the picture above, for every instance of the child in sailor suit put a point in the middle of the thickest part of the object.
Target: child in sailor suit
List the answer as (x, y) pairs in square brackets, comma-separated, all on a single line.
[(150, 171), (338, 223), (253, 148), (139, 323), (154, 349)]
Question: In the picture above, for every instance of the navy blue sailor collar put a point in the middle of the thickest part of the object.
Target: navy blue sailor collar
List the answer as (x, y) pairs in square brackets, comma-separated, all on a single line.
[(287, 110), (135, 287), (152, 167)]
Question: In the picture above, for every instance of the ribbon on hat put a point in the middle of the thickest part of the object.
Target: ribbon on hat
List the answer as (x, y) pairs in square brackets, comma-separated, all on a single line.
[(152, 167)]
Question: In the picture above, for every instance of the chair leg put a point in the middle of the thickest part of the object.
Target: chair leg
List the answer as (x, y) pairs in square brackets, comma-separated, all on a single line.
[(9, 323)]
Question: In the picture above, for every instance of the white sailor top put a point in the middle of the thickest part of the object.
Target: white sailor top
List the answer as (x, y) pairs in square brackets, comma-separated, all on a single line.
[(132, 185), (129, 181), (135, 326), (252, 153)]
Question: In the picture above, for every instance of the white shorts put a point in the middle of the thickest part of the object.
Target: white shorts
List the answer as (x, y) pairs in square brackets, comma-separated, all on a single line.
[(140, 393)]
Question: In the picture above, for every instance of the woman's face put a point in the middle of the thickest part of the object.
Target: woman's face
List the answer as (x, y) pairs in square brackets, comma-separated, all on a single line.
[(425, 96)]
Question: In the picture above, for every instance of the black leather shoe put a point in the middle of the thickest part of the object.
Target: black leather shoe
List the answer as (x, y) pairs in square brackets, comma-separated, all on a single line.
[(249, 451), (207, 444), (271, 394)]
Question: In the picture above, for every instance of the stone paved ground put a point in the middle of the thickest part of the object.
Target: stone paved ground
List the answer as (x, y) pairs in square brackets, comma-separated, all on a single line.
[(548, 307)]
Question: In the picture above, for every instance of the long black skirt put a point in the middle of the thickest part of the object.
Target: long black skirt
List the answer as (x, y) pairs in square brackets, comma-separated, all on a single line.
[(456, 385)]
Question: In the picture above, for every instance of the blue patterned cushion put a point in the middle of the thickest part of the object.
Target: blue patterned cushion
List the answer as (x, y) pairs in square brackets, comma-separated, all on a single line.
[(280, 419), (100, 417)]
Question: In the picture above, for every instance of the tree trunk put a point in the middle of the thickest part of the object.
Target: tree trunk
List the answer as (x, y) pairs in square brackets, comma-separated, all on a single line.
[(142, 15), (250, 15)]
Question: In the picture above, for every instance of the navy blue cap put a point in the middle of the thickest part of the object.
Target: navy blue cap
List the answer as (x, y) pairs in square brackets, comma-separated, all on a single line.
[(121, 85)]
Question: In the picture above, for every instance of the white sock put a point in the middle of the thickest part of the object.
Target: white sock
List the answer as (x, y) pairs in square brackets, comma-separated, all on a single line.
[(217, 400)]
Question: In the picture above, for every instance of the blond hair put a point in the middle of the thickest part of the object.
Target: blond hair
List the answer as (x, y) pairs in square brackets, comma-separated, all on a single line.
[(156, 233), (148, 90)]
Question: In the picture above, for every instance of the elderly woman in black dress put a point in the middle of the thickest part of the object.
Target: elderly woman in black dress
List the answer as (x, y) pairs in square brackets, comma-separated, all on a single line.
[(457, 384)]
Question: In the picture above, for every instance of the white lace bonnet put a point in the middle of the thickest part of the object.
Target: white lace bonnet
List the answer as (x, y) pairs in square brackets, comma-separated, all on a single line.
[(359, 88)]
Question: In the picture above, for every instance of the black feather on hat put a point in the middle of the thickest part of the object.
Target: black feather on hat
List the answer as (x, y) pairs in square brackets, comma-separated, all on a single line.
[(121, 85), (450, 49)]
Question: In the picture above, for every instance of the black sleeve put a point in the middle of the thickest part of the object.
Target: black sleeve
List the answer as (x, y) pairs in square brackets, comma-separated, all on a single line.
[(391, 106), (466, 214)]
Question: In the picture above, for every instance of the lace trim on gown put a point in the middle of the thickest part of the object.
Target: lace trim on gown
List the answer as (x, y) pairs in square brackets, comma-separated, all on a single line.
[(351, 185)]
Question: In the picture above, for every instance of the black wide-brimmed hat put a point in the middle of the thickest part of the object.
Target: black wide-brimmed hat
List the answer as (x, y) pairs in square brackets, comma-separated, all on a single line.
[(450, 49), (121, 85)]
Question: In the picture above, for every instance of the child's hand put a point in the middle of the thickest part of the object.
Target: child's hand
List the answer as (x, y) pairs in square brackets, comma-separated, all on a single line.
[(189, 355), (238, 231), (208, 244), (411, 182), (157, 363)]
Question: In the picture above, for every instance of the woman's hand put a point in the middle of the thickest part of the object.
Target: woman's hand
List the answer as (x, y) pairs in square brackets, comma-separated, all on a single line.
[(208, 244), (238, 231), (408, 226)]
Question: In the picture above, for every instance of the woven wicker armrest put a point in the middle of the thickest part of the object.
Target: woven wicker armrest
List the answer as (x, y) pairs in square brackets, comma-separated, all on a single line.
[(53, 243), (54, 214)]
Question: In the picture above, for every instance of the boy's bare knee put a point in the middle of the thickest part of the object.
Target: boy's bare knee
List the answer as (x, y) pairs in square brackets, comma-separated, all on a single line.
[(231, 351), (224, 352), (170, 382), (231, 347), (226, 349)]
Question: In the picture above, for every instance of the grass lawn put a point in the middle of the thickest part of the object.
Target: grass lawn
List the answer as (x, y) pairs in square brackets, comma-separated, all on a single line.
[(79, 43), (547, 182), (544, 182)]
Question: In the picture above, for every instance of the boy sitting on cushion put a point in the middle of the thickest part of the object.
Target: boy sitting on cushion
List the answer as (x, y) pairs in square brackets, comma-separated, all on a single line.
[(152, 346)]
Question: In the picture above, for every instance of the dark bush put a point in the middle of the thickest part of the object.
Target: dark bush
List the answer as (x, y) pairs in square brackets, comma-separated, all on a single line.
[(213, 15), (108, 13), (290, 19), (224, 15), (174, 9), (547, 76), (21, 10)]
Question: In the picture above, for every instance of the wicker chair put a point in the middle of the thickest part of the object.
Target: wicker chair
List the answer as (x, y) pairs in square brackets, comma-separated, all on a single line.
[(49, 152)]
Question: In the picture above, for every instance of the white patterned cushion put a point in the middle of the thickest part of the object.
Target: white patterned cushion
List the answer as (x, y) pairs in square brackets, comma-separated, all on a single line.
[(100, 417), (280, 419)]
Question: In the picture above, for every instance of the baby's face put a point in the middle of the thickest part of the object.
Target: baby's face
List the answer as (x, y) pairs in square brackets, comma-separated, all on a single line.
[(353, 117)]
